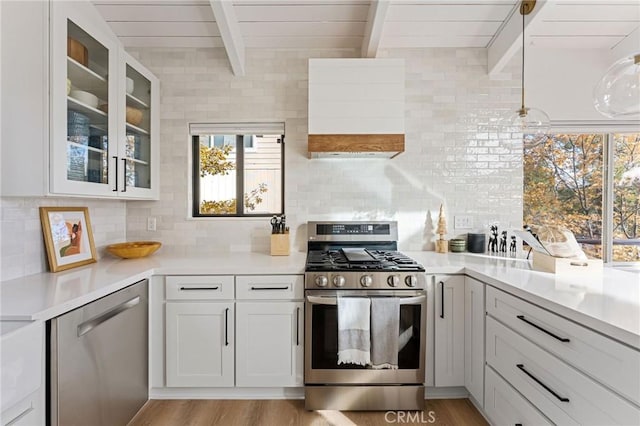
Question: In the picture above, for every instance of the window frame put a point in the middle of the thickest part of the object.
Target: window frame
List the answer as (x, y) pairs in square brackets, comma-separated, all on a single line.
[(240, 167), (607, 130)]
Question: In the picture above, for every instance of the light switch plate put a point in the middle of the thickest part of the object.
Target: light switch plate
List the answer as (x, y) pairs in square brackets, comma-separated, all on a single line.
[(463, 222), (151, 224)]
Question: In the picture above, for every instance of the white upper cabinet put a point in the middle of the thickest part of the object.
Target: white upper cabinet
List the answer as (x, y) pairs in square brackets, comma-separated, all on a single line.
[(90, 137)]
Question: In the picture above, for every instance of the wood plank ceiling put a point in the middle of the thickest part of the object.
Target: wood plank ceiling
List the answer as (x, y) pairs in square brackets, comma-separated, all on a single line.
[(350, 23)]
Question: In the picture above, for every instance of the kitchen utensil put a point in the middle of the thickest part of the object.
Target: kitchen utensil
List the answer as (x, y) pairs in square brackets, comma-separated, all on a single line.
[(77, 51), (275, 224), (85, 97), (283, 221), (134, 249)]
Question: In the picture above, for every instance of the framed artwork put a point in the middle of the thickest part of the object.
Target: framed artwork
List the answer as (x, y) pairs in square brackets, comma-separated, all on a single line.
[(67, 237)]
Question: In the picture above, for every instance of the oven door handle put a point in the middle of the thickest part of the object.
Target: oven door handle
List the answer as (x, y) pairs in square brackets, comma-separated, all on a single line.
[(323, 300)]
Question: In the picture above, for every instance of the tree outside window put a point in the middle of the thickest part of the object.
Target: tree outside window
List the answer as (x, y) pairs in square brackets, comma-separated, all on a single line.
[(565, 183)]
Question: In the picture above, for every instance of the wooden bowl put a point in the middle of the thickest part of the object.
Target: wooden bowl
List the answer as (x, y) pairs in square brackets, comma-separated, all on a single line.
[(77, 51), (134, 249), (134, 116)]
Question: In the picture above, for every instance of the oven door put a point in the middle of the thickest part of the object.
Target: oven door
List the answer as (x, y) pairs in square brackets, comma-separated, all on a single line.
[(321, 341)]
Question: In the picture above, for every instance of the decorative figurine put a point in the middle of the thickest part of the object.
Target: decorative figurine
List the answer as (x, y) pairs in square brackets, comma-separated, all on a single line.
[(493, 239), (442, 245), (512, 246), (503, 242)]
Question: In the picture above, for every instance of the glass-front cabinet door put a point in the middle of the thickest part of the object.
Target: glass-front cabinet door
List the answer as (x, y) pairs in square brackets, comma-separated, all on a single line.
[(84, 84), (138, 144)]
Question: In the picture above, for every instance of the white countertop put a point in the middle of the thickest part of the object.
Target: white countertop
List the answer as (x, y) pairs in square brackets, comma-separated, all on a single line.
[(609, 305)]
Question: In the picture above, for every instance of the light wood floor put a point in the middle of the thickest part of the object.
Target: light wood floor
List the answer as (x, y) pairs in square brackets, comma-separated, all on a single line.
[(450, 412)]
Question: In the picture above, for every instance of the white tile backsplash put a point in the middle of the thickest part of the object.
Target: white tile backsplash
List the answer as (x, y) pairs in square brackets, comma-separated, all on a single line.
[(454, 156)]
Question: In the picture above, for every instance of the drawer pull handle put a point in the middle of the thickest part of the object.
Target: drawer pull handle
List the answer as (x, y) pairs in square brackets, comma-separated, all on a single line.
[(270, 288), (297, 326), (20, 416), (555, 336), (226, 327), (198, 288), (547, 388), (441, 299)]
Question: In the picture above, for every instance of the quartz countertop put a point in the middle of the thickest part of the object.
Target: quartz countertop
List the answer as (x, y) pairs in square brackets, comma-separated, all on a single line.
[(609, 304)]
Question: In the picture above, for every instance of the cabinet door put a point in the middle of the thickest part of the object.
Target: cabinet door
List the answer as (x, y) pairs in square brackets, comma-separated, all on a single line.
[(138, 150), (199, 345), (83, 151), (474, 314), (449, 331), (269, 344)]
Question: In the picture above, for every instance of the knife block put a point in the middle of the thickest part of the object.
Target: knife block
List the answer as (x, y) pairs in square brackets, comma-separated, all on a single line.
[(280, 245)]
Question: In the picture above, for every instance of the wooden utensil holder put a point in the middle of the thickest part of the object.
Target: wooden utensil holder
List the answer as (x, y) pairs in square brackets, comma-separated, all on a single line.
[(280, 245)]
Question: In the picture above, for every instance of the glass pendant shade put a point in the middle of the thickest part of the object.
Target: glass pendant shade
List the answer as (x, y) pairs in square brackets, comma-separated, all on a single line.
[(617, 94), (533, 123)]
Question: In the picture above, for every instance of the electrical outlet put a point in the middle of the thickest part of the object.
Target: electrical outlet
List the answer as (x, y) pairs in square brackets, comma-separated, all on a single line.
[(463, 222), (151, 224)]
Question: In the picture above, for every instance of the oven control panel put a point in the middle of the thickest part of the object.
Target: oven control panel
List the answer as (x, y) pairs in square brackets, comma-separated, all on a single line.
[(363, 280)]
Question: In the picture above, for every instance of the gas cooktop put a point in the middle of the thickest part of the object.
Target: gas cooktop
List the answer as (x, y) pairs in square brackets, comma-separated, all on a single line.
[(360, 259)]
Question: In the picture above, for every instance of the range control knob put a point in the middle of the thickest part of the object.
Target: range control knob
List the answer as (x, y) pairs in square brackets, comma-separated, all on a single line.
[(411, 280), (393, 280), (321, 281), (366, 280), (338, 281)]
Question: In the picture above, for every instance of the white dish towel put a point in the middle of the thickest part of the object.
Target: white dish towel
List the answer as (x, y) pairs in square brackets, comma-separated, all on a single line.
[(354, 333), (385, 327)]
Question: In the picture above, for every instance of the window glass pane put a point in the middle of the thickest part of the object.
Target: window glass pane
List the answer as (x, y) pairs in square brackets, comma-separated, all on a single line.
[(263, 174), (626, 197), (217, 172), (563, 186)]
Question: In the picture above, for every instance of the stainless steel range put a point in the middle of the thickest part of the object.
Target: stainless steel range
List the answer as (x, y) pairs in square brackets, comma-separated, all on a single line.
[(360, 260)]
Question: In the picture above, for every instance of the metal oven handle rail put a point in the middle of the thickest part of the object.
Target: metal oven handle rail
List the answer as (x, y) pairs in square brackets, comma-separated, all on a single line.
[(323, 300)]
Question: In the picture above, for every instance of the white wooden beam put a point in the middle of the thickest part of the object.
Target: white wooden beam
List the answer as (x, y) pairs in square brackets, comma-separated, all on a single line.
[(373, 31), (509, 39), (230, 33)]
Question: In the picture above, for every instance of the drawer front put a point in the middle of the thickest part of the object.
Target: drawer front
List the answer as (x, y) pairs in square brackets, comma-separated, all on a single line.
[(504, 406), (199, 287), (561, 393), (269, 286), (610, 362)]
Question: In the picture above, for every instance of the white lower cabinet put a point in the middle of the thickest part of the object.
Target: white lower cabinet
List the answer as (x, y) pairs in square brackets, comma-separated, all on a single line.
[(474, 313), (199, 345), (503, 405), (449, 330), (269, 344)]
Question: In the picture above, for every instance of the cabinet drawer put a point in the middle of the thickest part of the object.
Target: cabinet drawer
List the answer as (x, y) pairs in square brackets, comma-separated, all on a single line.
[(610, 362), (561, 393), (269, 286), (505, 406), (199, 287)]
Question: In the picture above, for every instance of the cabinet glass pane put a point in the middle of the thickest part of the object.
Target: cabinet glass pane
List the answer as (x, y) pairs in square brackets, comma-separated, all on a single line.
[(138, 123), (87, 109)]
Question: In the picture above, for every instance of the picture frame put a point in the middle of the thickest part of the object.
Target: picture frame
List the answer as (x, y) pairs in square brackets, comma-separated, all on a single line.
[(68, 237)]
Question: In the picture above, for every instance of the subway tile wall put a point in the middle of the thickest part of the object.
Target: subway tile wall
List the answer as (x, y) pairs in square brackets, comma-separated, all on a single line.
[(22, 251), (453, 156)]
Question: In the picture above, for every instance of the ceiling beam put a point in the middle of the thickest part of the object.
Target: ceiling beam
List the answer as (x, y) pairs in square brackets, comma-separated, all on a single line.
[(509, 38), (230, 33), (373, 31)]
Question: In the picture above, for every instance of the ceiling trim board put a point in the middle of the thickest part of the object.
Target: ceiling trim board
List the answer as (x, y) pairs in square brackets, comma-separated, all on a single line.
[(230, 32), (373, 31), (162, 41), (509, 39)]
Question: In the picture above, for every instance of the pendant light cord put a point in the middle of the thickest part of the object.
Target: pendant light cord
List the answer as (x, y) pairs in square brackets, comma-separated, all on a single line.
[(522, 12)]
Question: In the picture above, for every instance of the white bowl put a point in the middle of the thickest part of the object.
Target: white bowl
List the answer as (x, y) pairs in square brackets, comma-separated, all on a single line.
[(129, 85), (85, 97)]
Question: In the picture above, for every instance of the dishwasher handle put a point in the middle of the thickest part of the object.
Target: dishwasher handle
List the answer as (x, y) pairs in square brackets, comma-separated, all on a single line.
[(89, 325)]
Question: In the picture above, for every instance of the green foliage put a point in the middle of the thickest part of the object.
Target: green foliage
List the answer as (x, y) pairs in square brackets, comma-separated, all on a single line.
[(213, 161)]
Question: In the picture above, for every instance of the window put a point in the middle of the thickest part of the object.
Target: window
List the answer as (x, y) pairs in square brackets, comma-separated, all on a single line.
[(233, 161), (590, 183)]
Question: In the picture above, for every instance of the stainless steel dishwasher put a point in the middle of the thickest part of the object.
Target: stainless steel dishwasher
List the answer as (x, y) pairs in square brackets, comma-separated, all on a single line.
[(98, 359)]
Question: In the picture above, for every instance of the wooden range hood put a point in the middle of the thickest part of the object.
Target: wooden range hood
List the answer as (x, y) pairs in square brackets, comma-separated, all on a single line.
[(356, 108)]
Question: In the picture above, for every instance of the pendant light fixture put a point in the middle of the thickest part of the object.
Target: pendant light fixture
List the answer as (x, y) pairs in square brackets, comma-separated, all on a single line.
[(617, 94), (533, 123)]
